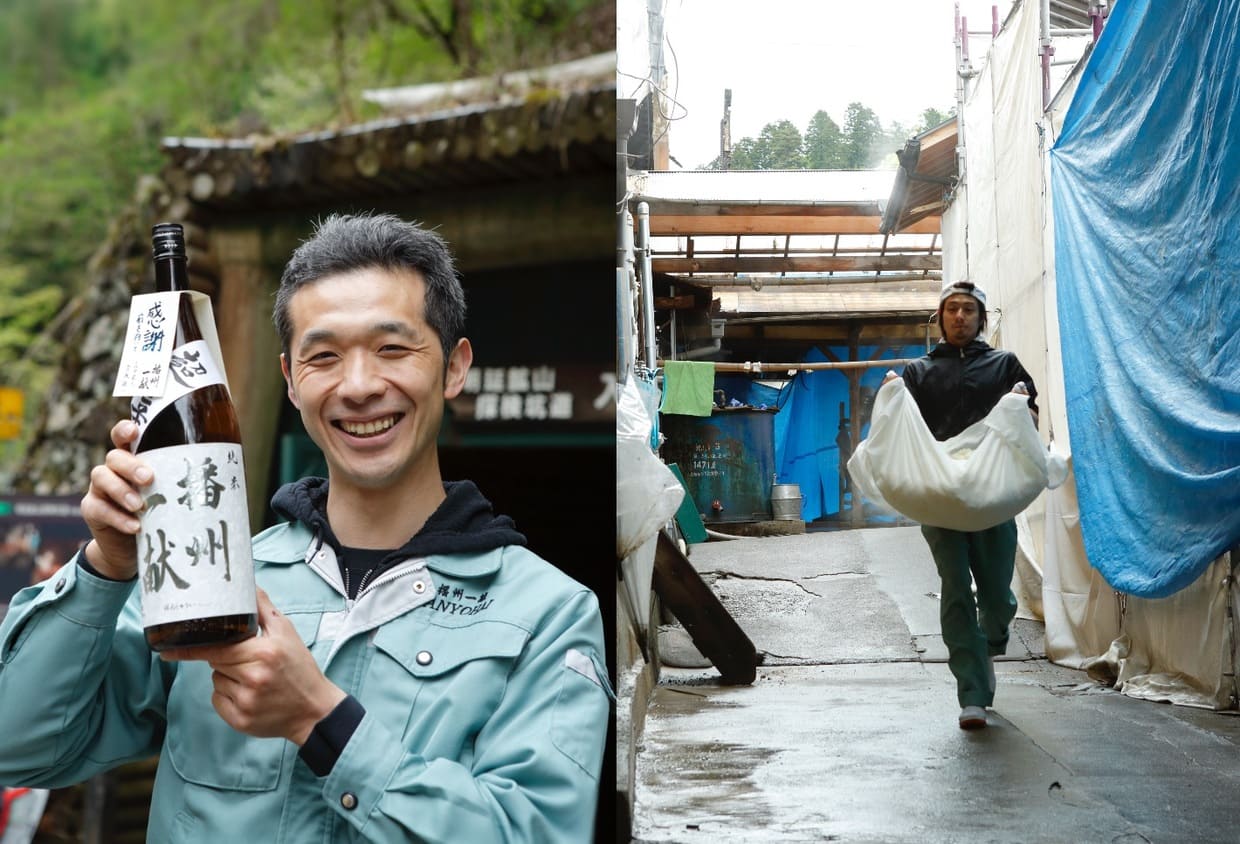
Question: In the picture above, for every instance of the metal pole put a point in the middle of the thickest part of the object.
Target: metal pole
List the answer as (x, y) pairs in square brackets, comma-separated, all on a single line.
[(646, 282), (625, 355), (1097, 11), (1045, 50), (962, 70)]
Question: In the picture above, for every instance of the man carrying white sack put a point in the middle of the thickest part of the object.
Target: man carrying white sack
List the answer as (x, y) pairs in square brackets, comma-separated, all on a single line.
[(956, 385)]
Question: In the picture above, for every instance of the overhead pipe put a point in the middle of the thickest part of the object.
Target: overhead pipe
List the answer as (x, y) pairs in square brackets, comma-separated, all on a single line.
[(801, 279), (757, 367)]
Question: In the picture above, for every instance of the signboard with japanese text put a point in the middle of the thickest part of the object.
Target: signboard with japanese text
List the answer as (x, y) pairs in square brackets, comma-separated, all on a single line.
[(544, 393)]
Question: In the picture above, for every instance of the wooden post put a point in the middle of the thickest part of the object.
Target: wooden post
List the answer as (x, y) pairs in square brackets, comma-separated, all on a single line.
[(251, 354)]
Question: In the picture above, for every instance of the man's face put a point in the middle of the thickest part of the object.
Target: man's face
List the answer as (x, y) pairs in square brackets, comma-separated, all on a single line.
[(367, 373), (961, 318)]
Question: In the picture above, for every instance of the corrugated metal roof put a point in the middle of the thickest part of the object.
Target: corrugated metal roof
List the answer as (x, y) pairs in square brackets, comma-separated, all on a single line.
[(663, 189), (908, 299), (709, 225)]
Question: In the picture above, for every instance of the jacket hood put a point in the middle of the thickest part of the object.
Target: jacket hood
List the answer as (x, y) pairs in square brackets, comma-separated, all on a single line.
[(975, 347), (463, 523)]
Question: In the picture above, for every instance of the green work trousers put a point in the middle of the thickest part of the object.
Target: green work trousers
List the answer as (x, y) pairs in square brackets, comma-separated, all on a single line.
[(974, 629)]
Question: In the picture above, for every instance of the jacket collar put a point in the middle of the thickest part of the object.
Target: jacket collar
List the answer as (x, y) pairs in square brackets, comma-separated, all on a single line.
[(945, 349), (292, 542)]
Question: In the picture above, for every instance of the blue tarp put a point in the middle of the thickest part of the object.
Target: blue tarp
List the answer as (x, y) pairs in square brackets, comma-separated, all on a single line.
[(1147, 261), (807, 426)]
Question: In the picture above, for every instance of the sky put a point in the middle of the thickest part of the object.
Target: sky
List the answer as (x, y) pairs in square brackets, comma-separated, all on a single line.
[(787, 59)]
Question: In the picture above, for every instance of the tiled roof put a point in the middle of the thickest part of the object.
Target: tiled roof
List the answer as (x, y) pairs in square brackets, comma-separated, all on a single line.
[(546, 133)]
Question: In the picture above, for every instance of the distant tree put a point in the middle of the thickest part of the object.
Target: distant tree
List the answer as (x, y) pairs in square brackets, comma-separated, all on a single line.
[(780, 147), (745, 155), (932, 117), (863, 134), (862, 144), (823, 143)]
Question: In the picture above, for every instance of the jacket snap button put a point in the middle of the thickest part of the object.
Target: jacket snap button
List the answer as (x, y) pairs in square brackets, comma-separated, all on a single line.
[(424, 657), (419, 586), (348, 800), (60, 586)]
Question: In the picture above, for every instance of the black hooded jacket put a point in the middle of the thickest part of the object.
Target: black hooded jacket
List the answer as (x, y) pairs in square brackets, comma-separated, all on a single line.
[(955, 387)]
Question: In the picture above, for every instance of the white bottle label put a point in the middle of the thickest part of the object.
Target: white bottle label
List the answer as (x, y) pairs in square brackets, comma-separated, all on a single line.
[(194, 558), (191, 367)]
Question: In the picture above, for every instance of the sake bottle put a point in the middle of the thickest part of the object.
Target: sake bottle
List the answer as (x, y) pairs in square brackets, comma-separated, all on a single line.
[(196, 572)]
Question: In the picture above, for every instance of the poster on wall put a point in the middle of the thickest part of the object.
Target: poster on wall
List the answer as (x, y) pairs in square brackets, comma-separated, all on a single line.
[(38, 535)]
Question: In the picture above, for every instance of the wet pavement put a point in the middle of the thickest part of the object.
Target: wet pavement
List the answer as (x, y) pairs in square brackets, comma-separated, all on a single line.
[(849, 732)]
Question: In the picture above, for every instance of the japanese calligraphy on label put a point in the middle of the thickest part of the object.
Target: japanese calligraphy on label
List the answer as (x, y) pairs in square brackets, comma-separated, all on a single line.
[(148, 344), (194, 558), (190, 367)]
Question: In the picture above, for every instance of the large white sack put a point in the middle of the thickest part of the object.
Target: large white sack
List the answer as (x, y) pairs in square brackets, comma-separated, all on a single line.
[(979, 478)]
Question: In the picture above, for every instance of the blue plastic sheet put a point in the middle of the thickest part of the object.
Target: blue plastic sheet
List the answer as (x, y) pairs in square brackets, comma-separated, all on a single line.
[(1147, 262), (808, 434)]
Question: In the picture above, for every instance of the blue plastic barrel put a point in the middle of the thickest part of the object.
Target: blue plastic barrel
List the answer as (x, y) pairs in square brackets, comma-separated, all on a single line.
[(727, 459)]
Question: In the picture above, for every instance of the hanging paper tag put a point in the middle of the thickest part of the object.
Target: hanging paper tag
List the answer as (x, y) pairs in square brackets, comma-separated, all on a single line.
[(148, 345)]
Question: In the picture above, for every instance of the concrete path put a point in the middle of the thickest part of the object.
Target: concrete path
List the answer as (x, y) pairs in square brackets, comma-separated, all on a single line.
[(849, 733)]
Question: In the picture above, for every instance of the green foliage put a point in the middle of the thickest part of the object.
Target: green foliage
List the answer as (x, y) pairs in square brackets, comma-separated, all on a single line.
[(89, 88), (932, 117), (862, 132), (823, 143)]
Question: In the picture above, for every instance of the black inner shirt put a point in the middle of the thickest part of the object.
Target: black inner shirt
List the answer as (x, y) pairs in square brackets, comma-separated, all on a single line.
[(356, 565)]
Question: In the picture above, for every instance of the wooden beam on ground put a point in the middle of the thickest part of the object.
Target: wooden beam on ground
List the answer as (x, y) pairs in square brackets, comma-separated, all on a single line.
[(711, 627)]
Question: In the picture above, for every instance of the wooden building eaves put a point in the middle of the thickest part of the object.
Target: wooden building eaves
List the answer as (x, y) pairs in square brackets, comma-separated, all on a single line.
[(926, 180)]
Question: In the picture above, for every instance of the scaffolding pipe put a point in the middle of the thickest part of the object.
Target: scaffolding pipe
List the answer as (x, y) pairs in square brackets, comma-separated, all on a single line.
[(962, 71), (625, 353), (646, 281), (1045, 50), (1097, 11)]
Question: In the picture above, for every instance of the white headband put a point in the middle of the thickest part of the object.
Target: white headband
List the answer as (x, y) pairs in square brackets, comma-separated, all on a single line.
[(977, 293)]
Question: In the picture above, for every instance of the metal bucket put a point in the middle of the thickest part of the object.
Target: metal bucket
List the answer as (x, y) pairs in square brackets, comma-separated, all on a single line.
[(786, 502)]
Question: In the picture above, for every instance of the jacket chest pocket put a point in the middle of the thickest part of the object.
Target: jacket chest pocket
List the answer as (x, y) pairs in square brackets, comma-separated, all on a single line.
[(205, 750), (441, 683)]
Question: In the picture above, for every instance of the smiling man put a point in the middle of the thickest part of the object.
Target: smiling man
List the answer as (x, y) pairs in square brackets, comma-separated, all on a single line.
[(420, 675), (958, 383)]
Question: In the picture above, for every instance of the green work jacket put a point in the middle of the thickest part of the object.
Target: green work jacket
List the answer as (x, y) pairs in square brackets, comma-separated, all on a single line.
[(482, 676)]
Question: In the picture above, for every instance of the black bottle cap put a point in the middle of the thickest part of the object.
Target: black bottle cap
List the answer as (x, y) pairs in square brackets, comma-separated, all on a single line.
[(168, 240)]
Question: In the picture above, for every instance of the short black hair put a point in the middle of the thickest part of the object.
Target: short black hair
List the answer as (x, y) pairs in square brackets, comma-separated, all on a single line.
[(345, 243), (966, 287)]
